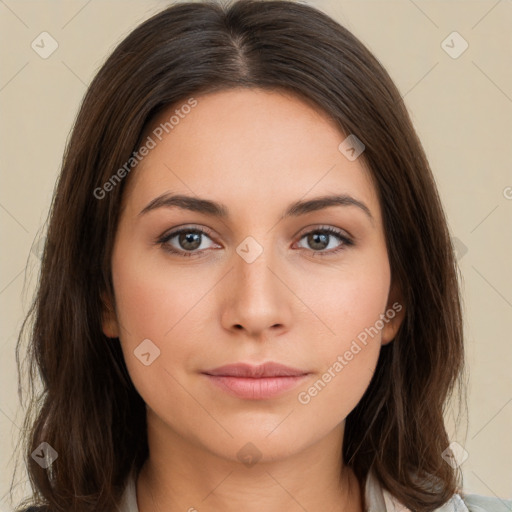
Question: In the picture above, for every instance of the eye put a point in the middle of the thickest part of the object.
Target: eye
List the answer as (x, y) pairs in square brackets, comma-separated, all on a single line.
[(189, 241), (320, 239)]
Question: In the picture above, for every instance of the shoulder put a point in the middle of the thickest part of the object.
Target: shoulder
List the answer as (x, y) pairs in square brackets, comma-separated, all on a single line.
[(478, 503)]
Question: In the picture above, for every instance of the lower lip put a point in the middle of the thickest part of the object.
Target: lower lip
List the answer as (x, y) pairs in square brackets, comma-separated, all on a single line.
[(256, 389)]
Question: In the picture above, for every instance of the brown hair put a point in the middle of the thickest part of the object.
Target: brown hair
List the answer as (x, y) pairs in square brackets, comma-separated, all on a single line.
[(89, 410)]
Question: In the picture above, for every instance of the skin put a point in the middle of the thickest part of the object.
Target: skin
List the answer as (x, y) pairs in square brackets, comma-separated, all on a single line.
[(256, 152)]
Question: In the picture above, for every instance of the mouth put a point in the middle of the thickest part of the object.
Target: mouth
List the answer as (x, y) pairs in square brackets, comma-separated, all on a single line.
[(260, 382)]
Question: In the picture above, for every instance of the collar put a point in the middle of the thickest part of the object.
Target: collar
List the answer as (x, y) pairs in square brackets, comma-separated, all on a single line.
[(377, 498)]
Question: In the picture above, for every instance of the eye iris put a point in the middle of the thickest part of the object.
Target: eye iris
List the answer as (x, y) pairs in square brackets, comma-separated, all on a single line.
[(185, 239), (318, 238)]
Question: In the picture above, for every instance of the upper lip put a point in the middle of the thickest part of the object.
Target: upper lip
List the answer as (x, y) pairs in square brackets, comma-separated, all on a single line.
[(269, 369)]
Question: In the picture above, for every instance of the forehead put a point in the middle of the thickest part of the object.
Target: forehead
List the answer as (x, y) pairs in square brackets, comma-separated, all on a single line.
[(247, 147)]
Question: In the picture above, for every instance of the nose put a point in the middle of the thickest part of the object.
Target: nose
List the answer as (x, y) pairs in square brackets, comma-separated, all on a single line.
[(257, 299)]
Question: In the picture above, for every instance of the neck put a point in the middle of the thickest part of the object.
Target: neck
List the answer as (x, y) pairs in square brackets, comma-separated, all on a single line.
[(180, 475)]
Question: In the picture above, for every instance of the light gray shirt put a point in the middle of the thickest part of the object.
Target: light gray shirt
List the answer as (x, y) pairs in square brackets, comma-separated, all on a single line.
[(377, 500)]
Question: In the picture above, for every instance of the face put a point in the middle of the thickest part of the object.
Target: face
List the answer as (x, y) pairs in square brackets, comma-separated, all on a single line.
[(307, 287)]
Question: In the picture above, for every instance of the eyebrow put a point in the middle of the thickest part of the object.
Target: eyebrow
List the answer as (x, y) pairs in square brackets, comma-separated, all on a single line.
[(215, 209)]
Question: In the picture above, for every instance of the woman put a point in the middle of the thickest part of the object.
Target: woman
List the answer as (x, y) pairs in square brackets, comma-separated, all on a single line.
[(248, 294)]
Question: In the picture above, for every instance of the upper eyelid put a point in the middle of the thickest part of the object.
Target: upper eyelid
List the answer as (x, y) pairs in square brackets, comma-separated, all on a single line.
[(177, 230), (323, 227)]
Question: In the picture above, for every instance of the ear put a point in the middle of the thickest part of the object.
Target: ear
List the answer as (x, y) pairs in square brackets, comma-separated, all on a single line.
[(109, 323), (394, 315)]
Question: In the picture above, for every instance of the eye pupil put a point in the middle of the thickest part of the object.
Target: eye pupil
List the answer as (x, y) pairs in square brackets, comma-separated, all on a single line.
[(190, 240)]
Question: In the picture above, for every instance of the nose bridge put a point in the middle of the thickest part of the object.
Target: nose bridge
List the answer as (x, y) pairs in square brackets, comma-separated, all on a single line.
[(257, 296), (252, 271)]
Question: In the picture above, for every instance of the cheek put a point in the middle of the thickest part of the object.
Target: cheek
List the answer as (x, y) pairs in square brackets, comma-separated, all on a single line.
[(349, 307), (347, 299), (155, 303), (153, 298)]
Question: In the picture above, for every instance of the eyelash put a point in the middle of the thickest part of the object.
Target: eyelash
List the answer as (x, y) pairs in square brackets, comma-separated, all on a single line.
[(164, 240)]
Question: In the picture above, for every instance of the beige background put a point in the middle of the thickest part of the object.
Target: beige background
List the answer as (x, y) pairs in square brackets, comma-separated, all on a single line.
[(462, 109)]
